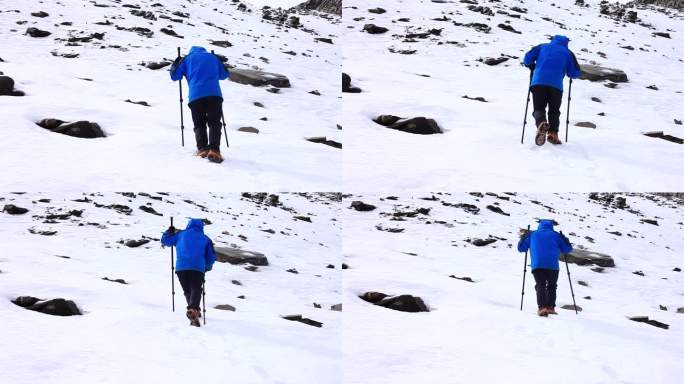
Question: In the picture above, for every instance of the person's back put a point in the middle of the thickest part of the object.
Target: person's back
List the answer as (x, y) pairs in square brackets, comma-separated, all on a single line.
[(552, 62), (546, 246)]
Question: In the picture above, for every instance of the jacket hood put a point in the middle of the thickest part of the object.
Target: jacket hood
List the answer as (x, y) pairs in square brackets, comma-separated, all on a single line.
[(545, 224), (560, 39), (197, 49), (195, 224)]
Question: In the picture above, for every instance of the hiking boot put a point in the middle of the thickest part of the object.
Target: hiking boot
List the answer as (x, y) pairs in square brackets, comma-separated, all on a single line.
[(553, 138), (542, 312), (551, 311), (215, 156), (189, 314), (202, 153), (540, 139), (194, 315)]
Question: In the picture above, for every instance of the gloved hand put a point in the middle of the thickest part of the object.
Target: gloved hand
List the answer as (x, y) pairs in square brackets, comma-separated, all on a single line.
[(565, 238), (532, 67), (177, 61), (523, 233), (208, 268), (171, 229)]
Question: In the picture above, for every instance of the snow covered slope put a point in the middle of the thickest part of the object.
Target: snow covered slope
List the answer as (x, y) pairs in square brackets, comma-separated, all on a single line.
[(481, 143), (475, 332), (128, 333), (143, 148)]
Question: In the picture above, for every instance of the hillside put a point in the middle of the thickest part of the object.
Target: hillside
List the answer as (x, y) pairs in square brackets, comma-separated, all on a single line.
[(67, 244), (427, 246), (423, 58), (106, 62)]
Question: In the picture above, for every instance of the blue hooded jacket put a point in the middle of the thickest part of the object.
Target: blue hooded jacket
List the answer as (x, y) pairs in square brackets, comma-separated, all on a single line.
[(194, 250), (546, 246), (552, 62), (203, 70)]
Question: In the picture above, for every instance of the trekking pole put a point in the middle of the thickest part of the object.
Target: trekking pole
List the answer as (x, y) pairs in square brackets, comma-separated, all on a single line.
[(204, 306), (567, 115), (529, 90), (173, 282), (565, 257), (180, 93), (522, 296), (223, 119)]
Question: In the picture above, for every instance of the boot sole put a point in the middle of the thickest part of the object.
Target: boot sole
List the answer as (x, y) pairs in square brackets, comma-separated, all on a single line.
[(540, 139)]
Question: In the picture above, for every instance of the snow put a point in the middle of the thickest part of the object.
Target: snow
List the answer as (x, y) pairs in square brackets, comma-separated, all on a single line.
[(481, 144), (475, 332), (143, 147), (128, 332)]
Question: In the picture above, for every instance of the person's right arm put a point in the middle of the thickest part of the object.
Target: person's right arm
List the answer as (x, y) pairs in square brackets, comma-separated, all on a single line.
[(573, 66), (524, 243), (177, 69), (169, 237)]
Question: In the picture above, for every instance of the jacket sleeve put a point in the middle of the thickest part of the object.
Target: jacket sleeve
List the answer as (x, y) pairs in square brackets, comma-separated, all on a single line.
[(531, 56), (564, 244), (223, 72), (524, 243), (209, 256), (573, 66), (177, 71), (169, 239)]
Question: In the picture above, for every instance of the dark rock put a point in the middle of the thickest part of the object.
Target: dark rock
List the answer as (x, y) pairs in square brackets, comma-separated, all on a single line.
[(40, 14), (662, 308), (80, 129), (494, 61), (479, 98), (653, 87), (303, 320), (6, 85), (238, 256), (346, 85), (677, 122), (466, 278), (377, 11), (571, 307), (136, 243), (597, 73), (650, 221), (639, 273), (585, 257), (222, 44), (324, 140), (676, 269), (143, 103), (150, 210), (336, 307), (43, 232), (225, 307), (35, 32), (14, 210), (361, 206), (171, 32), (120, 281), (302, 218), (586, 124), (662, 34), (498, 210), (482, 242), (293, 270), (324, 40), (327, 6), (154, 65), (680, 310), (596, 99), (416, 125), (55, 307), (236, 282), (374, 29), (645, 319), (144, 14), (248, 129), (404, 303), (258, 78), (508, 28), (661, 135)]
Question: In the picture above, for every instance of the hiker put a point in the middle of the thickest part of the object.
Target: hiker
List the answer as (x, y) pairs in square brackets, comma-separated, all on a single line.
[(195, 256), (203, 70), (546, 246), (550, 63)]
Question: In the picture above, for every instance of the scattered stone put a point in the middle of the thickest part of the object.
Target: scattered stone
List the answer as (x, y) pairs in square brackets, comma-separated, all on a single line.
[(645, 319), (585, 257), (493, 61), (248, 129), (346, 85), (596, 99), (661, 135), (509, 28), (238, 256), (662, 307), (258, 78), (650, 221), (136, 243), (324, 140), (154, 65), (374, 29), (653, 87), (120, 281), (40, 14), (582, 283), (378, 10), (639, 273), (479, 98), (361, 206), (572, 307), (404, 303), (302, 218), (225, 307), (482, 242), (416, 125), (171, 32), (498, 210), (55, 307), (586, 124), (150, 210), (143, 103), (324, 40), (466, 278), (662, 34), (597, 73), (222, 43), (304, 320), (336, 307), (14, 210), (42, 232), (35, 32), (80, 129)]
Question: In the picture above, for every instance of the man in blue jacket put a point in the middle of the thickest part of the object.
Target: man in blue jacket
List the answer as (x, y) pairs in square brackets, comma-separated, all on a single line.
[(546, 246), (203, 70), (550, 63), (195, 256)]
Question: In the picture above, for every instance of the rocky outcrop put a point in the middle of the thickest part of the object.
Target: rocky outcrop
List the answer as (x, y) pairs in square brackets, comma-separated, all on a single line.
[(239, 256), (327, 6), (597, 73), (80, 129), (55, 307), (416, 125), (403, 303), (258, 78), (585, 257)]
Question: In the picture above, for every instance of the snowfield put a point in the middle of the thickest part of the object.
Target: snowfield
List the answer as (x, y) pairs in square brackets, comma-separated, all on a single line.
[(143, 148), (128, 333), (475, 332), (480, 148)]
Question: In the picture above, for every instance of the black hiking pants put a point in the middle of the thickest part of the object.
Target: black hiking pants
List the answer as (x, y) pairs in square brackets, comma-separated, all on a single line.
[(207, 112), (191, 281), (547, 281), (543, 96)]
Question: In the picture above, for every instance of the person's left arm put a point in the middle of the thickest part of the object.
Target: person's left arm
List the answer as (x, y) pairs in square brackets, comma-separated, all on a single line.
[(573, 66)]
